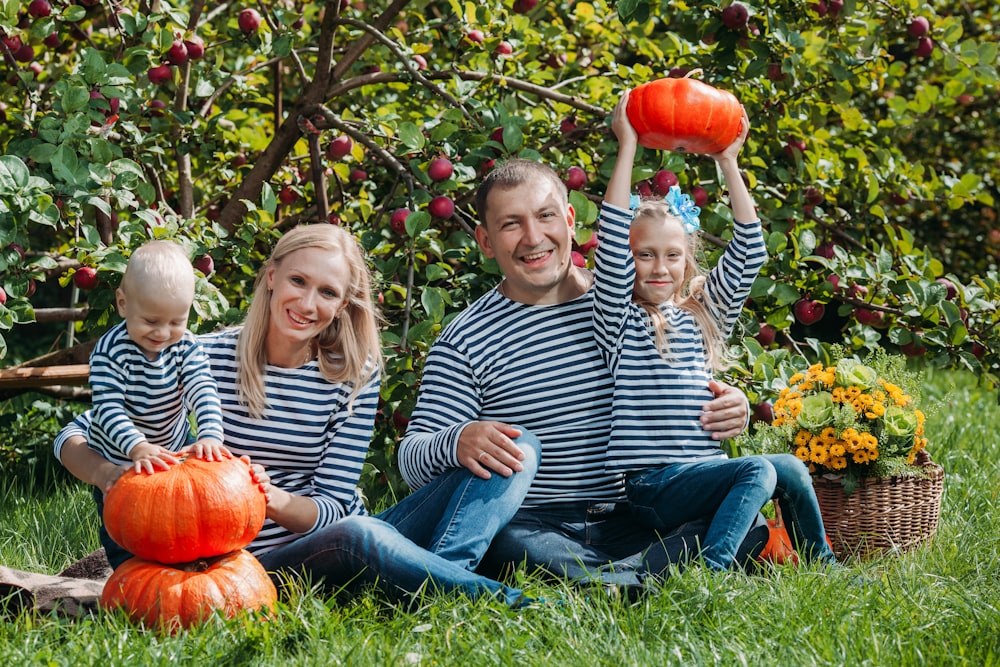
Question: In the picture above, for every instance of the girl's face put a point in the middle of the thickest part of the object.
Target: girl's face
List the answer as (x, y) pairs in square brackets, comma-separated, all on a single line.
[(310, 288), (660, 247)]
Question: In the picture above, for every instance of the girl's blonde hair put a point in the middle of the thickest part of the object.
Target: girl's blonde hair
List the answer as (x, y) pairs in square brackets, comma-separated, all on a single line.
[(349, 349), (690, 296)]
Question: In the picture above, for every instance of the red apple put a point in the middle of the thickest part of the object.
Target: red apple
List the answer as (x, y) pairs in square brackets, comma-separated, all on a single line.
[(400, 421), (249, 21), (398, 220), (420, 61), (918, 27), (3, 296), (31, 288), (589, 245), (441, 207), (40, 8), (825, 249), (85, 278), (834, 280), (913, 348), (440, 169), (925, 47), (774, 72), (735, 16), (763, 412), (812, 196), (567, 125), (978, 351), (287, 195), (820, 8), (504, 48), (178, 53), (25, 54), (662, 180), (808, 311), (993, 236), (857, 291), (205, 264), (524, 6), (156, 107), (53, 40), (339, 147), (333, 219), (575, 179), (868, 317), (12, 42), (159, 74), (644, 189), (700, 196), (195, 47), (834, 7), (358, 175), (475, 36), (950, 290), (18, 249), (766, 335), (793, 145), (578, 259)]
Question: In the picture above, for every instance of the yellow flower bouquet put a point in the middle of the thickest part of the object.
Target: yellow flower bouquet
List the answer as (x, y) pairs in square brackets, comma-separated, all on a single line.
[(852, 418)]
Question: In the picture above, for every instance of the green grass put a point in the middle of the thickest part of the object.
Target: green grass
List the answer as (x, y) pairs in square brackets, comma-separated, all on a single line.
[(939, 605)]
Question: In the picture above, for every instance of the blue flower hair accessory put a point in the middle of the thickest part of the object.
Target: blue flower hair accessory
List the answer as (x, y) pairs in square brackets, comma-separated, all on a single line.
[(682, 206)]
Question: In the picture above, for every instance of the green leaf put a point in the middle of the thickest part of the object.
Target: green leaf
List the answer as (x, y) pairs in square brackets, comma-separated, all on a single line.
[(76, 99), (268, 201), (13, 174), (65, 164), (417, 223), (411, 137)]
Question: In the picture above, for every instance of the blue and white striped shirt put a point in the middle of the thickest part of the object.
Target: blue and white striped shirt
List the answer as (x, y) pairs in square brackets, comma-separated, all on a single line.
[(308, 440), (537, 367), (137, 399), (657, 403)]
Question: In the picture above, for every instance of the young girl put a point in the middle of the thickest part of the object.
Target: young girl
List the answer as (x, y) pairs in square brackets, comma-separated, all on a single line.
[(662, 326)]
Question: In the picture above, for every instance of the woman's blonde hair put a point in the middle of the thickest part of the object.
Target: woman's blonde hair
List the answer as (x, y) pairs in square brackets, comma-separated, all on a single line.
[(349, 349), (690, 296)]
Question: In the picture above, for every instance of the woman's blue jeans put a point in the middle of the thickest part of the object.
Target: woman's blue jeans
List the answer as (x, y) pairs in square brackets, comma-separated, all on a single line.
[(729, 492), (435, 537)]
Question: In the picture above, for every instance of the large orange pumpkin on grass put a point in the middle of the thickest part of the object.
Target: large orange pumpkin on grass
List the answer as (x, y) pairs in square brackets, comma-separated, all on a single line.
[(684, 115), (195, 509), (170, 597)]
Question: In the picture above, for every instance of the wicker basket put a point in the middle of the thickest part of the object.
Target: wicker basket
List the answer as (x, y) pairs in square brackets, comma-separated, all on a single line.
[(882, 514)]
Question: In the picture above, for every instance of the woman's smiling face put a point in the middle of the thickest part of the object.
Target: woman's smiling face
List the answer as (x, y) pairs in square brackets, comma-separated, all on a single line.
[(309, 289)]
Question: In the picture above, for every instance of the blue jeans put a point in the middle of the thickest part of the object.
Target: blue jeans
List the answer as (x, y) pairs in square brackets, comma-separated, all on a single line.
[(434, 537), (599, 543), (730, 492), (799, 508)]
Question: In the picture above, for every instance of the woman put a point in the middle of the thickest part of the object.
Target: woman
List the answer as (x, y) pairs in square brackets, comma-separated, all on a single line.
[(299, 387)]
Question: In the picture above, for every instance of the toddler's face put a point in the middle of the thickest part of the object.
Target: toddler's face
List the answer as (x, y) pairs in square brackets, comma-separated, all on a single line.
[(154, 322)]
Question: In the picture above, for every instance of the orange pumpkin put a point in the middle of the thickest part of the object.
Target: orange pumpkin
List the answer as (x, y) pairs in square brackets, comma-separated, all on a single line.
[(169, 597), (779, 545), (684, 115), (196, 509)]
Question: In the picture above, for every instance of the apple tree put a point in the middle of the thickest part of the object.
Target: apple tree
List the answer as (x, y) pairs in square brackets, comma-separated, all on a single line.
[(223, 124)]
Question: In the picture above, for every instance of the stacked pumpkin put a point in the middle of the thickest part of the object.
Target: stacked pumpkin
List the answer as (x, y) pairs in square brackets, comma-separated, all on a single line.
[(684, 115), (187, 528)]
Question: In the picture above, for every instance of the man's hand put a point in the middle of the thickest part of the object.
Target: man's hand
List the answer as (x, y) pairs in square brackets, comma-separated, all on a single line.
[(727, 414), (486, 446)]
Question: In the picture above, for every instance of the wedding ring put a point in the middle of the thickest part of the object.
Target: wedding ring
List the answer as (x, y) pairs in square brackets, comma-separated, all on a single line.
[(482, 455)]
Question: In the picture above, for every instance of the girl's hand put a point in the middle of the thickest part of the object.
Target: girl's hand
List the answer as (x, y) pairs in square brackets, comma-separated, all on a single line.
[(621, 125), (732, 151)]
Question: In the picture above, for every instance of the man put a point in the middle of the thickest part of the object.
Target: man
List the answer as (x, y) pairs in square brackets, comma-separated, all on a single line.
[(525, 354)]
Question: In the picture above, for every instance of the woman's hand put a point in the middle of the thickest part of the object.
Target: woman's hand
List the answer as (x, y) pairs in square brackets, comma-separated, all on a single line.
[(260, 478)]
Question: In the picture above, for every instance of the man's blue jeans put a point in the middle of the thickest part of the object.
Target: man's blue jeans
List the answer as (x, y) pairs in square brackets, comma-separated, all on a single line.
[(434, 537), (728, 492)]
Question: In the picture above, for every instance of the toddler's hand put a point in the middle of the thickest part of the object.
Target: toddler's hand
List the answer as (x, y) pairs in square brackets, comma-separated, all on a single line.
[(209, 449), (149, 458)]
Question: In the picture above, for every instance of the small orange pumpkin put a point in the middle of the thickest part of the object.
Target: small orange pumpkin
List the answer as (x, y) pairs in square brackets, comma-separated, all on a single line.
[(195, 509), (169, 597), (684, 115), (779, 547)]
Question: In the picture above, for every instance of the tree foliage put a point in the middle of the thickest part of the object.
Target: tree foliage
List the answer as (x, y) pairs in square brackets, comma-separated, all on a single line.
[(872, 155)]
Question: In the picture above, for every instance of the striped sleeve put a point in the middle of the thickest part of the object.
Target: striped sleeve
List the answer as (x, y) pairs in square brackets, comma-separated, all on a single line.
[(729, 282), (201, 394), (109, 382), (614, 278)]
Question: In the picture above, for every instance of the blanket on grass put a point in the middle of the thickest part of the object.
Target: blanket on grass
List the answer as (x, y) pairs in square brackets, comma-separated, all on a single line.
[(73, 592)]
